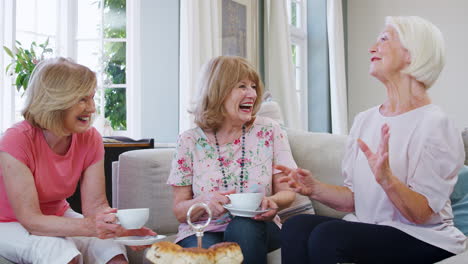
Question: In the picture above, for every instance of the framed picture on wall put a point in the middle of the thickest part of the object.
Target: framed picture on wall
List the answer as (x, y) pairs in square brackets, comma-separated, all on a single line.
[(239, 27)]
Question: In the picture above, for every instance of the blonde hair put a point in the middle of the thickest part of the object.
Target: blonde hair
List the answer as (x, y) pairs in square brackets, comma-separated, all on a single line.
[(425, 44), (56, 85), (218, 78)]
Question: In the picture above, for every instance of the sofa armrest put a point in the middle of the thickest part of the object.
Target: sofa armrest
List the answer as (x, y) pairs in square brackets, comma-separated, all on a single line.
[(115, 178)]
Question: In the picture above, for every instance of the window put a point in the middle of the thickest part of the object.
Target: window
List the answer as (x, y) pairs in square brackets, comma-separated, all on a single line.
[(36, 22), (101, 45), (298, 28), (92, 32)]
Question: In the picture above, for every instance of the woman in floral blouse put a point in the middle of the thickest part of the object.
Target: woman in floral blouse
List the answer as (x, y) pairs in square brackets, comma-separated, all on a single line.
[(231, 151)]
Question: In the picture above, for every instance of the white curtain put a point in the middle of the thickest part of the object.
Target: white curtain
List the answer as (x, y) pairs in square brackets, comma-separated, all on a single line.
[(199, 42), (338, 92), (279, 68), (2, 68), (7, 94)]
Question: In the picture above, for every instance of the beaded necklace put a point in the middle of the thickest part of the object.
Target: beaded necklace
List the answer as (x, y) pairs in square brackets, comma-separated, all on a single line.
[(221, 165)]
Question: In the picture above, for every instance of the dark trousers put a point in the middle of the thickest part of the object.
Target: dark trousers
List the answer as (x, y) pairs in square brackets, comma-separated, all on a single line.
[(256, 238), (320, 239)]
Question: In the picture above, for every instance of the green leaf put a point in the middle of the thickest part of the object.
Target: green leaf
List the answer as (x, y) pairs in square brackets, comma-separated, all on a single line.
[(25, 81), (17, 68), (24, 62), (19, 81), (8, 51), (8, 67)]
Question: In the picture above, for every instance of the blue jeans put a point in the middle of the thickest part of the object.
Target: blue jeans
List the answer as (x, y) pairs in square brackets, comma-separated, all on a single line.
[(256, 238), (321, 239)]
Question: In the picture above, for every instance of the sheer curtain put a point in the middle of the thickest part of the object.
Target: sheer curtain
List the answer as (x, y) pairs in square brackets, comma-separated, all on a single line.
[(199, 42), (7, 36), (279, 68), (338, 90)]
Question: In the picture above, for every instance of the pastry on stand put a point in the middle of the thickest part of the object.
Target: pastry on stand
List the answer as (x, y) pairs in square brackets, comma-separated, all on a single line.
[(170, 253)]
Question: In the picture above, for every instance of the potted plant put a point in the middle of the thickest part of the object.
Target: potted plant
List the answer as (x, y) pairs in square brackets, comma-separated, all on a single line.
[(24, 61)]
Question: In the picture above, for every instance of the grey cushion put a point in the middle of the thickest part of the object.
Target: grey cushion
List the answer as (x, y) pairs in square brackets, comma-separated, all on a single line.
[(320, 153), (142, 183)]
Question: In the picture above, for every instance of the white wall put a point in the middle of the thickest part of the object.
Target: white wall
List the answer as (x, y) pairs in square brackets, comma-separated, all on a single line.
[(366, 20), (159, 70)]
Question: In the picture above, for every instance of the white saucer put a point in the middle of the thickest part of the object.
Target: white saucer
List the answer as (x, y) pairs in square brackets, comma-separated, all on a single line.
[(243, 212), (138, 240)]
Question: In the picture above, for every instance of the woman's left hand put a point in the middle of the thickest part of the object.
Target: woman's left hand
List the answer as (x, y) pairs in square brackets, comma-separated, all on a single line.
[(267, 203), (144, 231), (378, 161)]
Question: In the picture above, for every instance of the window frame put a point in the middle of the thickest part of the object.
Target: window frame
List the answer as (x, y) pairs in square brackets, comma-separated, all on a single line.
[(66, 46), (298, 36)]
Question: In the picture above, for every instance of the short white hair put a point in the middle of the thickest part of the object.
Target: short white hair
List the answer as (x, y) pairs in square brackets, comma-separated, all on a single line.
[(425, 44)]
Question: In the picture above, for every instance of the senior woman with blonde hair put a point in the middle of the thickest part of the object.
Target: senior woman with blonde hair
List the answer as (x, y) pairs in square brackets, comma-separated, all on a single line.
[(42, 159), (231, 151), (400, 166)]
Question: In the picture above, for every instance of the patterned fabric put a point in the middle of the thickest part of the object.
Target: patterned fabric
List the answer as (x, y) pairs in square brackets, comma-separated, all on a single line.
[(196, 163)]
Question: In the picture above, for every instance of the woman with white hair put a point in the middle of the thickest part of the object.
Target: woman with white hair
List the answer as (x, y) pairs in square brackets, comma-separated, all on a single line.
[(42, 159), (400, 167)]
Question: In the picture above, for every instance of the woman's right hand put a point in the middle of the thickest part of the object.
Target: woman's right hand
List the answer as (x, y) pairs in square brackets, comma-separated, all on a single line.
[(299, 180), (105, 224), (215, 201)]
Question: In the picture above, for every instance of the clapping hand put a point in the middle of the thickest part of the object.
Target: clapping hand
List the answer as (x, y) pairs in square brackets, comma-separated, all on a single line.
[(379, 162), (299, 180)]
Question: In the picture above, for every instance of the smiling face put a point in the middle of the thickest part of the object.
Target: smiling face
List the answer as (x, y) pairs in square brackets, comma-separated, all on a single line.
[(388, 56), (239, 104), (78, 117)]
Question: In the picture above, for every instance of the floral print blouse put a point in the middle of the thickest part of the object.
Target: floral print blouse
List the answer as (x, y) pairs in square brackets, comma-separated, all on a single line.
[(196, 163)]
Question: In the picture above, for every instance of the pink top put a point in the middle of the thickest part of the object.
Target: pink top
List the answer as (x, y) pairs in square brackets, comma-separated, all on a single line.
[(196, 163), (55, 176), (425, 152)]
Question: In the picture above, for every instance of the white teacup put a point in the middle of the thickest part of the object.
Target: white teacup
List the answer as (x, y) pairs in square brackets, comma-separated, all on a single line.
[(132, 218), (245, 201)]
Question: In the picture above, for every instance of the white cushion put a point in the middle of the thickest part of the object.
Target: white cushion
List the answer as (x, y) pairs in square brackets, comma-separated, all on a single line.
[(142, 183), (320, 153), (272, 110)]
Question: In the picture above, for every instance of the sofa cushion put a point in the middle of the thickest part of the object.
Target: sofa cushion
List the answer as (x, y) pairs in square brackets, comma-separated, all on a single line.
[(142, 183), (459, 199), (320, 153), (272, 110)]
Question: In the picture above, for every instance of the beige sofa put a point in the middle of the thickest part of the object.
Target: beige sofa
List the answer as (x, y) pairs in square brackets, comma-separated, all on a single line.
[(139, 180)]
